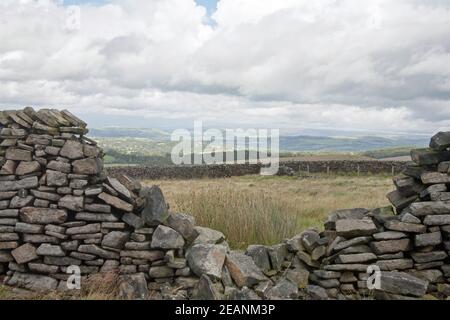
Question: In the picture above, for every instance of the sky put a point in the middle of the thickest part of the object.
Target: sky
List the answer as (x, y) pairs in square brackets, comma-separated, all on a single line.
[(363, 66)]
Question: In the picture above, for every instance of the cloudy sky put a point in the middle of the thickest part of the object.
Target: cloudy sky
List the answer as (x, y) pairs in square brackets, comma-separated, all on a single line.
[(378, 65)]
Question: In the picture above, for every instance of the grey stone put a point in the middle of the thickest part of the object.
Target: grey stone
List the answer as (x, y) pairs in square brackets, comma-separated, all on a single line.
[(152, 255), (316, 292), (440, 141), (355, 228), (206, 289), (19, 202), (25, 183), (437, 220), (39, 238), (161, 272), (33, 282), (207, 235), (324, 274), (42, 268), (407, 186), (115, 239), (399, 201), (133, 287), (432, 276), (18, 154), (389, 235), (356, 258), (429, 208), (59, 166), (137, 246), (167, 238), (243, 270), (395, 264), (424, 257), (86, 229), (72, 150), (283, 290), (5, 257), (352, 242), (56, 178), (27, 167), (8, 222), (403, 284), (299, 277), (426, 156), (97, 217), (405, 227), (133, 220), (347, 267), (260, 256), (9, 213), (95, 250), (156, 211), (45, 195), (409, 218), (61, 261), (25, 253), (9, 237), (277, 254), (390, 246), (71, 203), (8, 168), (43, 215), (95, 207), (184, 224), (8, 245), (428, 239), (120, 188), (206, 259), (87, 166), (46, 249), (78, 184), (116, 202), (435, 178)]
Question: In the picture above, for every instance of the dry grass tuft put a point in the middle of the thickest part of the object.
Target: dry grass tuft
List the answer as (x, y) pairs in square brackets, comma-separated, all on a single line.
[(266, 210)]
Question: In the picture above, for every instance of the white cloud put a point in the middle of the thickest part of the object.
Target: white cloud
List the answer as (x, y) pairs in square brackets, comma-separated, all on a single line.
[(349, 64)]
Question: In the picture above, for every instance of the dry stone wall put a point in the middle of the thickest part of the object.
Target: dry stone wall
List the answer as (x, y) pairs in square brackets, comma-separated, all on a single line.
[(231, 170), (60, 210)]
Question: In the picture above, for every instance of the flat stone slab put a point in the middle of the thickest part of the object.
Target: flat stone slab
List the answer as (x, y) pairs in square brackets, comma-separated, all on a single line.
[(389, 235), (429, 208), (390, 246), (33, 282), (26, 183), (356, 258), (116, 202), (428, 239), (43, 215), (404, 226), (437, 220), (403, 283), (355, 228), (25, 253)]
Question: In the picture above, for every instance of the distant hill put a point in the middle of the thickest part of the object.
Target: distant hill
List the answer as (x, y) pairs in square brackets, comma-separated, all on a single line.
[(346, 144), (143, 146)]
